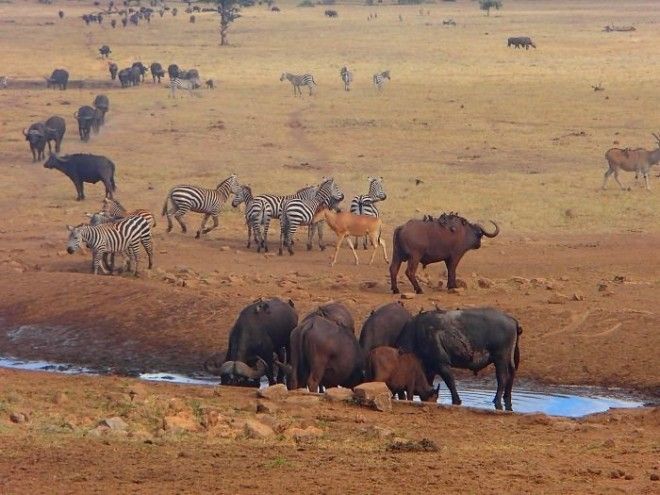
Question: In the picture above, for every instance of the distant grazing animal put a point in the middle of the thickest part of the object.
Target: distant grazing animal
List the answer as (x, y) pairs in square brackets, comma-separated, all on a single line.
[(346, 77), (187, 198), (36, 136), (448, 22), (87, 118), (174, 11), (298, 81), (123, 237), (4, 80), (134, 19), (192, 74), (124, 21), (401, 372), (192, 19), (364, 204), (383, 326), (157, 72), (261, 331), (61, 14), (184, 84), (469, 339), (323, 354), (126, 77), (112, 67), (105, 51), (379, 79), (173, 71), (331, 13), (638, 160), (135, 75), (296, 212), (346, 224), (113, 23), (520, 42), (59, 78), (102, 104), (275, 8), (446, 238), (210, 84), (55, 129), (142, 68), (81, 168)]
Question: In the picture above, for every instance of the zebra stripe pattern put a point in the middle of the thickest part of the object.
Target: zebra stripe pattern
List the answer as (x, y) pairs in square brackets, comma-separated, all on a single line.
[(123, 236), (185, 198), (379, 79), (364, 203), (185, 84), (297, 212), (113, 209), (252, 213), (298, 81), (346, 77)]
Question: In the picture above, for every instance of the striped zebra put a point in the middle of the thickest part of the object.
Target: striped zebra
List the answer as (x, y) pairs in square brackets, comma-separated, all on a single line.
[(346, 77), (364, 203), (187, 84), (185, 198), (252, 213), (297, 212), (123, 236), (297, 81), (379, 79)]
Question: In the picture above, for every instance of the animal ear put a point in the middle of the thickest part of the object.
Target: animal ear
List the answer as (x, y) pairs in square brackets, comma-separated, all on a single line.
[(70, 228)]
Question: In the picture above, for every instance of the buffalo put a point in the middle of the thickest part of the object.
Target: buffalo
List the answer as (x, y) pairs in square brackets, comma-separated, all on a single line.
[(142, 68), (125, 77), (401, 372), (59, 78), (105, 51), (112, 67), (36, 136), (157, 72), (173, 71), (81, 168), (87, 118), (520, 41), (469, 339), (102, 105), (55, 129), (113, 23), (261, 330), (383, 326), (61, 14), (324, 353), (446, 238)]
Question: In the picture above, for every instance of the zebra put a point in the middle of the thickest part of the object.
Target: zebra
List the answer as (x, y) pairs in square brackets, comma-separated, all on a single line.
[(379, 79), (364, 203), (297, 81), (346, 77), (252, 213), (296, 212), (187, 84), (122, 236), (187, 198)]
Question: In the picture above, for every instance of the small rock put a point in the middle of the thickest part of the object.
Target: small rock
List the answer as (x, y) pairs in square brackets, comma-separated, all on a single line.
[(266, 407), (369, 284), (485, 283), (578, 296), (461, 284), (337, 394), (374, 394), (558, 298), (224, 248), (59, 398), (98, 431), (407, 295), (255, 429), (378, 431), (602, 287), (609, 443), (180, 422), (268, 420), (17, 417), (404, 445), (654, 477), (628, 477), (520, 280), (274, 392), (115, 423), (619, 279), (299, 434), (303, 400)]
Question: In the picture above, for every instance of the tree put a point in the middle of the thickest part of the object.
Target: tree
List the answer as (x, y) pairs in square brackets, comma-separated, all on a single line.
[(229, 12), (490, 4)]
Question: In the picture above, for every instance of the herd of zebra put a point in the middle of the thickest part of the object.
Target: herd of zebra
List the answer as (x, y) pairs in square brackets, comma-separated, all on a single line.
[(297, 81), (114, 230)]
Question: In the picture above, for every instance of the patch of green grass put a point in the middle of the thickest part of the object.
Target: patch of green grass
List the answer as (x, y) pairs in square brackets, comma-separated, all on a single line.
[(277, 462)]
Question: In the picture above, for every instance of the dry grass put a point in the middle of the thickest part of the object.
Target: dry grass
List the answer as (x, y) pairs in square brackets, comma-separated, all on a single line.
[(490, 130)]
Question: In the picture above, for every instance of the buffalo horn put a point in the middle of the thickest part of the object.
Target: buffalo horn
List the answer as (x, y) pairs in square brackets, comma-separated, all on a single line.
[(25, 133), (226, 368), (241, 368), (287, 368), (487, 234)]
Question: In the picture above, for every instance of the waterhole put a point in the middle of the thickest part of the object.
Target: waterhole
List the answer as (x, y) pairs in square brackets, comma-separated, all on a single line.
[(528, 397)]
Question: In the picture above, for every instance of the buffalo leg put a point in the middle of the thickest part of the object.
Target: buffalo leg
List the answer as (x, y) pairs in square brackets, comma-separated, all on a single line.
[(411, 269), (508, 388), (79, 189), (108, 188), (502, 379), (394, 271), (448, 378), (451, 263)]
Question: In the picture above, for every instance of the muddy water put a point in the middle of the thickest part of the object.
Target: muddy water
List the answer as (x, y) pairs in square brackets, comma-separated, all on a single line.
[(566, 401)]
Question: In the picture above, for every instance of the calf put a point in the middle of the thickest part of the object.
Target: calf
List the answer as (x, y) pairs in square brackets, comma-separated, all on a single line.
[(81, 168), (401, 371)]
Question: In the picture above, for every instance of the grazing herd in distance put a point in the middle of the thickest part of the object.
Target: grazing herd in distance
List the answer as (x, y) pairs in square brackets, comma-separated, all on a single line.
[(406, 352)]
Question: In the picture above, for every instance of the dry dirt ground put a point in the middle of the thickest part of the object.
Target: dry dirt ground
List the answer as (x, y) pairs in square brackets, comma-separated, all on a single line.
[(516, 136)]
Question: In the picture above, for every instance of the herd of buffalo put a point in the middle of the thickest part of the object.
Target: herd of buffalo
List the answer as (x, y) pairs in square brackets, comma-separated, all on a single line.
[(404, 351)]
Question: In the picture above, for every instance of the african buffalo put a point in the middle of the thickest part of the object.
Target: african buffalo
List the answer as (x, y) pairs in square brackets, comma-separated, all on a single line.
[(520, 41), (157, 72), (324, 354), (105, 51), (125, 77), (401, 372), (87, 118), (102, 104), (112, 67), (446, 238), (142, 68), (81, 168), (55, 129), (36, 136), (262, 328), (383, 326), (59, 78), (335, 312), (173, 71), (469, 339)]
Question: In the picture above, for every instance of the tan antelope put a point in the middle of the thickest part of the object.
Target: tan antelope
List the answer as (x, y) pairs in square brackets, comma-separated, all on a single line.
[(348, 224), (638, 160)]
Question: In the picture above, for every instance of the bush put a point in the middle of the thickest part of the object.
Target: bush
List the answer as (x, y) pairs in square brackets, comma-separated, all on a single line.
[(306, 3), (328, 2), (410, 2)]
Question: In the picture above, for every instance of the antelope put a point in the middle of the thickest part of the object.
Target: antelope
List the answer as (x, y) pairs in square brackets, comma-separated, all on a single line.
[(348, 224), (638, 160)]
